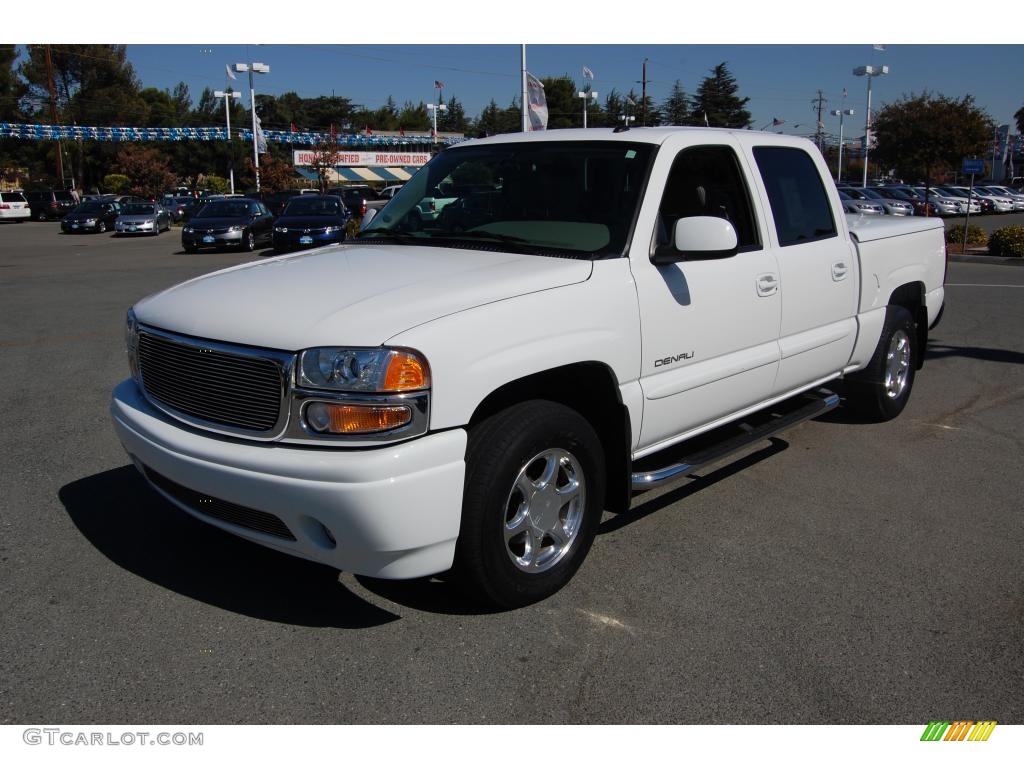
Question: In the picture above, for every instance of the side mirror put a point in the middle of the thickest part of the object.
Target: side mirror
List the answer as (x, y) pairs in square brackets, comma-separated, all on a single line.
[(699, 237)]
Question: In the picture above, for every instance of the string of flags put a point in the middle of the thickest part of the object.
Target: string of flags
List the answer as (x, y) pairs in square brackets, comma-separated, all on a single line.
[(93, 133)]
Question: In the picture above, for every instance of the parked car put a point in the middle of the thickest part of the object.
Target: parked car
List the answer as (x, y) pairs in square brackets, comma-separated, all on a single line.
[(999, 203), (175, 205), (854, 205), (388, 192), (904, 194), (1017, 197), (309, 221), (947, 205), (14, 207), (973, 202), (238, 222), (50, 203), (142, 218), (91, 216), (889, 205), (358, 198), (276, 201)]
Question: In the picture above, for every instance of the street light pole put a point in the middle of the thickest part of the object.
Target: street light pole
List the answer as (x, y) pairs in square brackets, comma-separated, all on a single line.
[(434, 109), (870, 71), (263, 69), (839, 164), (228, 95)]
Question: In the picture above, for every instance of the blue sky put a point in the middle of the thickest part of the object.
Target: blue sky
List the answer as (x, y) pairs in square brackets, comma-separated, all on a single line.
[(781, 52), (781, 80)]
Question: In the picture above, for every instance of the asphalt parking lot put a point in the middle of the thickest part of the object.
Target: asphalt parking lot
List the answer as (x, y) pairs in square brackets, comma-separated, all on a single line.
[(842, 573)]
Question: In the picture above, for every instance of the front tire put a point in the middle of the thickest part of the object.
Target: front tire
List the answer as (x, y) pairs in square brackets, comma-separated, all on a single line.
[(534, 493), (880, 392), (248, 241), (101, 227)]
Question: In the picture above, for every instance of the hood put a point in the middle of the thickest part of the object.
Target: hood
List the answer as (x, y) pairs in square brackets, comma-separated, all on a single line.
[(359, 295), (220, 222), (136, 218)]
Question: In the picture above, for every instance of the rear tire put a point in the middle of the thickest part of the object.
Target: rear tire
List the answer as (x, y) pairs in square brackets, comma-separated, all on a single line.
[(534, 492), (880, 392)]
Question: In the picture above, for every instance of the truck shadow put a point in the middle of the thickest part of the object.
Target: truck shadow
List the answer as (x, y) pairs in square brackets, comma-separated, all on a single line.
[(133, 526), (939, 351)]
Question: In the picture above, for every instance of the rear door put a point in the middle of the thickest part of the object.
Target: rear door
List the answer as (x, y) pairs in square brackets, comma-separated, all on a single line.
[(818, 268)]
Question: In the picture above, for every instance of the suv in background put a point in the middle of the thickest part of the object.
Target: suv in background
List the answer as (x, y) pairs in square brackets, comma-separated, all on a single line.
[(50, 203)]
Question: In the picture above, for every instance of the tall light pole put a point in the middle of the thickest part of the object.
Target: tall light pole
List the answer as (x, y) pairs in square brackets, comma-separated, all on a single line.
[(870, 71), (839, 165), (585, 95), (228, 95), (263, 69), (434, 108)]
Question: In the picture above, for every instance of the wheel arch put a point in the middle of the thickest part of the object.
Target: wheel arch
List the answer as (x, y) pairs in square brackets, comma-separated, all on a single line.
[(911, 296), (590, 388)]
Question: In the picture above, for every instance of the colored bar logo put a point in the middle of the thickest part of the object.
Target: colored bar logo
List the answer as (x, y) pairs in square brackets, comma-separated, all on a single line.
[(959, 730)]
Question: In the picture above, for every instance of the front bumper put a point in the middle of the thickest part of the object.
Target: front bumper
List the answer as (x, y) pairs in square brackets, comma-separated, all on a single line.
[(291, 240), (136, 227), (216, 240), (76, 226), (391, 512)]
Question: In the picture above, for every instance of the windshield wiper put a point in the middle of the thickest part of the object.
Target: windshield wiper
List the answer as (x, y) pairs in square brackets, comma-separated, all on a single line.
[(484, 236), (384, 234)]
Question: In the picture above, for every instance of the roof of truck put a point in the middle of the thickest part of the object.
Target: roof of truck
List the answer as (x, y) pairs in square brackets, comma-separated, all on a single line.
[(646, 135)]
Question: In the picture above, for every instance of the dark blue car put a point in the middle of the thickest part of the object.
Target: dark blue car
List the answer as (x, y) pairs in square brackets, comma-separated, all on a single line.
[(310, 221)]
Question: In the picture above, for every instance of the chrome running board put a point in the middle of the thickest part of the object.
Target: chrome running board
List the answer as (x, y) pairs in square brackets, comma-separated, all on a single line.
[(780, 417)]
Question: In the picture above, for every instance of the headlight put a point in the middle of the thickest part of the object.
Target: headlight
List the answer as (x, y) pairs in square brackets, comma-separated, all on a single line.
[(90, 221), (188, 230), (235, 228), (363, 370), (329, 230), (280, 229)]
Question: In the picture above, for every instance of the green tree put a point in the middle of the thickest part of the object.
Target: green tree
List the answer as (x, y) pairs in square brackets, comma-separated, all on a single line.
[(717, 100), (115, 183), (676, 108), (923, 135), (453, 118), (564, 108)]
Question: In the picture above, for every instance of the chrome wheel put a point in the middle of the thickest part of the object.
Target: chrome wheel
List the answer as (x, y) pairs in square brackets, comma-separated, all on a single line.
[(897, 364), (544, 510)]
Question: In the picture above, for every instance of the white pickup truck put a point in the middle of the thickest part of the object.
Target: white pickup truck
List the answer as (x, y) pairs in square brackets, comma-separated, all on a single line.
[(598, 312)]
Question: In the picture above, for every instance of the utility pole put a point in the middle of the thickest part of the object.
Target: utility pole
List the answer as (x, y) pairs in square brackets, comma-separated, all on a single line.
[(53, 115), (643, 96), (820, 101)]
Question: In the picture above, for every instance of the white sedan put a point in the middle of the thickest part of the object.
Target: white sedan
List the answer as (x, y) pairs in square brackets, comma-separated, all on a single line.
[(14, 207)]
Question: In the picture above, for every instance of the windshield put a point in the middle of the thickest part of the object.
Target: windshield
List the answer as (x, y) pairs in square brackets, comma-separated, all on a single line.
[(139, 209), (546, 197), (90, 208), (313, 206), (223, 209)]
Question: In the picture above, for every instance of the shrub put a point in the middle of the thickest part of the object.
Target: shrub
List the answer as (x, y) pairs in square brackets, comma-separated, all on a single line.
[(975, 235), (1008, 241), (115, 183)]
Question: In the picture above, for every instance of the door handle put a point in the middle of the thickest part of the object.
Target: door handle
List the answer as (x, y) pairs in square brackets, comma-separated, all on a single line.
[(838, 271), (767, 284)]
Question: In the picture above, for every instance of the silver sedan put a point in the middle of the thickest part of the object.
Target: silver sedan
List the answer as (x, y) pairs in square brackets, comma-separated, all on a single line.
[(143, 218)]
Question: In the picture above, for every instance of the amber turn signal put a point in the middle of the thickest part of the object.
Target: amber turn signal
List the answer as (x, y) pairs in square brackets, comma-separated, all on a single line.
[(347, 419), (406, 371)]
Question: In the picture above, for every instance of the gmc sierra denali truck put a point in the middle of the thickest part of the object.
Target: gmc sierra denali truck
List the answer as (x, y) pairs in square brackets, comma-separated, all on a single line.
[(599, 312)]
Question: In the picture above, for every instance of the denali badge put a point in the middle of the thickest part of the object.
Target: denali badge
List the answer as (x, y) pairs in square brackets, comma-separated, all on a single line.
[(673, 359)]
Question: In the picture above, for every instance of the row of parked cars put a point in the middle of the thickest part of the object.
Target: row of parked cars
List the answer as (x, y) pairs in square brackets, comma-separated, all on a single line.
[(941, 200)]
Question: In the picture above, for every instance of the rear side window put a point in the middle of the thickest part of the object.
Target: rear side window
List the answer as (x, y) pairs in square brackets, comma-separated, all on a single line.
[(796, 194)]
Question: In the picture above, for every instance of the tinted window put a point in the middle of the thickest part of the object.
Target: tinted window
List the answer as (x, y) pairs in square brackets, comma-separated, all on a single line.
[(12, 197), (706, 181), (797, 196)]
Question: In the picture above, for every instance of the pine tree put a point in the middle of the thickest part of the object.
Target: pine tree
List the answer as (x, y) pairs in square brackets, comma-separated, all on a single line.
[(717, 100), (675, 109)]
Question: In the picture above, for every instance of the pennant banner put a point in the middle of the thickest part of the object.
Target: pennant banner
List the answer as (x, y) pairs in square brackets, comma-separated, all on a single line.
[(93, 133), (537, 103)]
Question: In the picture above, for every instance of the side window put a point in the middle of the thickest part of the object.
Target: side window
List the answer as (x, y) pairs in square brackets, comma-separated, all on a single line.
[(706, 181), (796, 194)]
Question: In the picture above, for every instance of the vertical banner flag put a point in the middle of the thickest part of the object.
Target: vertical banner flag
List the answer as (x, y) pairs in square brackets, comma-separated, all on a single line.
[(227, 68), (588, 73), (261, 140), (537, 104)]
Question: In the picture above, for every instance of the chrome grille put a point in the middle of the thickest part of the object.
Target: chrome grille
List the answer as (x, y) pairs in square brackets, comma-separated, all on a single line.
[(229, 512), (207, 383)]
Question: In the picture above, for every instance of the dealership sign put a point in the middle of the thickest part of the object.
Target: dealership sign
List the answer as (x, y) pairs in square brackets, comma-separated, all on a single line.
[(307, 156)]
